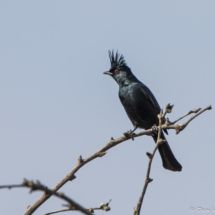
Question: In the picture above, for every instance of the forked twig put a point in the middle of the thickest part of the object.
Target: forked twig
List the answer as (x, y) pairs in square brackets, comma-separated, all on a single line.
[(167, 125), (72, 205), (102, 206)]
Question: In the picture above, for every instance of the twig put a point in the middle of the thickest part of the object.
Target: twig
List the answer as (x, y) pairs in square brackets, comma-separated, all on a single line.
[(58, 211), (150, 156), (101, 153), (38, 186), (102, 206), (182, 126), (192, 111), (178, 128)]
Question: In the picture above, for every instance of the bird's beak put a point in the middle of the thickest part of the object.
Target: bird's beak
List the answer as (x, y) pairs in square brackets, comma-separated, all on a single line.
[(107, 73)]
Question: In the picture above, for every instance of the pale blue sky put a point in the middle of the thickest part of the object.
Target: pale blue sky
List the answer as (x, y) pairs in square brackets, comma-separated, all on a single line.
[(56, 104)]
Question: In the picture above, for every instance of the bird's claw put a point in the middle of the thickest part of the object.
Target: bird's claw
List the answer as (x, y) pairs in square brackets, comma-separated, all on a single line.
[(155, 129), (129, 134)]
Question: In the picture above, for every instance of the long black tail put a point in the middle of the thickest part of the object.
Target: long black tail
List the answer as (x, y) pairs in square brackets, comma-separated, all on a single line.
[(169, 160)]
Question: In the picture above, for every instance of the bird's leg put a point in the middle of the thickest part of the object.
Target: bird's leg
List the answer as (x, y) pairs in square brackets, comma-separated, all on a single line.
[(135, 128), (132, 131)]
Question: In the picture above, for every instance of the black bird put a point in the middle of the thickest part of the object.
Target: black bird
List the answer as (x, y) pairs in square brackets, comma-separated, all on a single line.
[(140, 105)]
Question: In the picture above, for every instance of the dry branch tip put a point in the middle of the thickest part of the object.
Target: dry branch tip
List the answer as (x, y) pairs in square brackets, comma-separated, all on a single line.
[(149, 155), (149, 180), (169, 108), (80, 160)]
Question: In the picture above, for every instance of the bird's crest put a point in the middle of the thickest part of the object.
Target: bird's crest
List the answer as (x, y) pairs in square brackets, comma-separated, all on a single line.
[(117, 60)]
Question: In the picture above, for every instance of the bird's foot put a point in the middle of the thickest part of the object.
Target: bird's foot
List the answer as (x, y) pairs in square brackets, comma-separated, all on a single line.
[(154, 130), (129, 134)]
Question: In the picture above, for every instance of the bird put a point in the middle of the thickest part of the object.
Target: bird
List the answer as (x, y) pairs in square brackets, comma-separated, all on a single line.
[(140, 105)]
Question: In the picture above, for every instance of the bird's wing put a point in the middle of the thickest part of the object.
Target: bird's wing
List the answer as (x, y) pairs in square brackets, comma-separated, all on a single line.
[(150, 98)]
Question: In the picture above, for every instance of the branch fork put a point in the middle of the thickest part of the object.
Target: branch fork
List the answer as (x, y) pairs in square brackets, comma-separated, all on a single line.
[(163, 124)]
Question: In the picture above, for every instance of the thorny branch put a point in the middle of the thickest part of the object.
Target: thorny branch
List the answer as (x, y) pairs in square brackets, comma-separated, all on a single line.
[(109, 145)]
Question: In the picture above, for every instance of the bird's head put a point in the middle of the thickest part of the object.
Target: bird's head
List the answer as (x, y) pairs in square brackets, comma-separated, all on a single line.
[(119, 70)]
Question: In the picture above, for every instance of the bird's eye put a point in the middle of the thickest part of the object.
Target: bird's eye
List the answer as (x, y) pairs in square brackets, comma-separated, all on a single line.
[(116, 71)]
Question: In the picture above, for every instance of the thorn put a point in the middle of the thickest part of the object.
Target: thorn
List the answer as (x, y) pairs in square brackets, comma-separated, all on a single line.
[(72, 177), (111, 139), (149, 155), (80, 160), (149, 180), (28, 206)]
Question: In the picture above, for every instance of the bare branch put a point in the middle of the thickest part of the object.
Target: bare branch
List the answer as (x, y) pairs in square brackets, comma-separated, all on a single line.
[(38, 186), (178, 128), (191, 111), (102, 152), (150, 156), (58, 211), (102, 206)]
